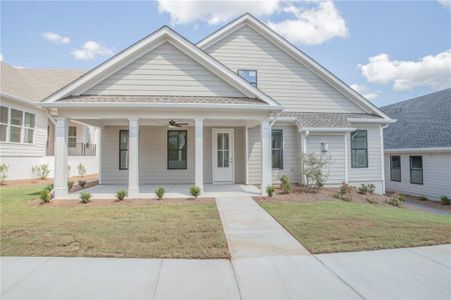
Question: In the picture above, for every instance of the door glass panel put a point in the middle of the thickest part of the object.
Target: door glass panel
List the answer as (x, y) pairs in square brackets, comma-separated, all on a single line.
[(220, 159), (220, 146), (226, 158), (226, 141)]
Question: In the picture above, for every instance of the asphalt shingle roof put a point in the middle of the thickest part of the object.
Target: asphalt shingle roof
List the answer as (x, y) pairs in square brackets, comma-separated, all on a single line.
[(423, 122), (326, 120)]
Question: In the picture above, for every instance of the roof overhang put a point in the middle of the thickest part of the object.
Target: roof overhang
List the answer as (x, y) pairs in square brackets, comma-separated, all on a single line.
[(18, 99), (419, 150), (371, 121), (307, 130)]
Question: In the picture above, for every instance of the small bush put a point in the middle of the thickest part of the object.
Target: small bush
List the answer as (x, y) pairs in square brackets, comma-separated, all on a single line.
[(120, 195), (344, 193), (363, 189), (70, 184), (346, 198), (396, 199), (40, 171), (85, 197), (160, 191), (82, 183), (81, 170), (315, 170), (3, 173), (270, 190), (49, 187), (445, 200), (285, 184), (423, 198), (195, 191), (45, 195), (371, 188)]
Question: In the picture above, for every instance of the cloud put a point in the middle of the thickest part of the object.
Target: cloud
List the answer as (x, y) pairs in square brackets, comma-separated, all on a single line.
[(363, 90), (433, 71), (55, 38), (91, 50), (312, 26), (1, 57), (445, 4)]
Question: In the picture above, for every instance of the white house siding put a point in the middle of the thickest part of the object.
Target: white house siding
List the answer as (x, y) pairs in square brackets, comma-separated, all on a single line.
[(254, 156), (336, 154), (164, 70), (436, 175), (278, 74), (153, 156)]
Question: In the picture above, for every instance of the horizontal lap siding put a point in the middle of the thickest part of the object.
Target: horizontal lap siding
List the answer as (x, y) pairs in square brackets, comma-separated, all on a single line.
[(254, 156), (278, 74), (110, 157), (436, 175), (290, 154), (164, 71)]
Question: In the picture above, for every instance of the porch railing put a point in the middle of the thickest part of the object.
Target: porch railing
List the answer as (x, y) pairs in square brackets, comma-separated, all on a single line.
[(74, 149)]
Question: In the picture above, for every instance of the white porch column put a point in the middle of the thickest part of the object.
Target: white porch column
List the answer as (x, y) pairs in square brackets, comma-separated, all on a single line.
[(133, 157), (199, 150), (265, 132), (60, 149), (99, 152)]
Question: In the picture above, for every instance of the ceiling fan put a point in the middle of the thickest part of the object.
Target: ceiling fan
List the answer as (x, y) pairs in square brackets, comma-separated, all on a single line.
[(173, 124)]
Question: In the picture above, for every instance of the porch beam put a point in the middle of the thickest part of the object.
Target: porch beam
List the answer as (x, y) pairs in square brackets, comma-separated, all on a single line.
[(61, 153), (133, 157), (199, 150), (266, 168)]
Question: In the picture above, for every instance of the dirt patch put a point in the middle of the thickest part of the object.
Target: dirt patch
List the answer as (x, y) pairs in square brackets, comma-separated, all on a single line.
[(126, 202), (429, 203), (299, 194), (34, 181)]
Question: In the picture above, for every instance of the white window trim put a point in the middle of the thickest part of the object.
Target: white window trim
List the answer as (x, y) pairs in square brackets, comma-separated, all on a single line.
[(22, 128)]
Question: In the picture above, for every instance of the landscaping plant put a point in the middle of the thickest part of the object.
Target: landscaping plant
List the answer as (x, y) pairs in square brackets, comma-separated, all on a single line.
[(82, 183), (120, 195), (195, 191), (40, 171), (315, 171), (49, 187), (423, 198), (81, 170), (366, 188), (371, 188), (285, 184), (45, 195), (3, 173), (160, 191), (85, 197), (445, 200), (344, 193), (70, 184), (396, 199), (270, 190)]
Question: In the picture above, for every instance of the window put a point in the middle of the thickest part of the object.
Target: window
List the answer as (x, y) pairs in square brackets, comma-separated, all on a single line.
[(277, 149), (177, 149), (72, 137), (359, 149), (223, 150), (249, 75), (123, 149), (395, 168), (29, 128), (416, 169), (15, 128), (4, 120)]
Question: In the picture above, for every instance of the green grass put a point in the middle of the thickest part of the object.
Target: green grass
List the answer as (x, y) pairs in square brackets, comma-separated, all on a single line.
[(169, 230), (333, 226)]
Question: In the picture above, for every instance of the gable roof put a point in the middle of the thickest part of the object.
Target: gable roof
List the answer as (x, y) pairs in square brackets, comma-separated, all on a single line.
[(423, 122), (34, 84), (164, 34), (298, 55)]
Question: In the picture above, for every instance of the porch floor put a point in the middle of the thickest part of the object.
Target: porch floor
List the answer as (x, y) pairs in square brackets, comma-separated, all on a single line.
[(107, 191)]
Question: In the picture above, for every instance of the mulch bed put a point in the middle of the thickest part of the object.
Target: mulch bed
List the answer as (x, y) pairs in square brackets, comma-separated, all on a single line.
[(125, 202), (34, 181)]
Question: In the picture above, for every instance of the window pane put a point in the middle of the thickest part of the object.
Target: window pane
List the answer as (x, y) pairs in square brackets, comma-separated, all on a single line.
[(220, 139), (16, 117), (123, 140), (276, 139), (3, 114), (226, 159), (416, 176), (277, 159), (28, 136), (72, 142), (396, 174), (220, 159), (15, 134), (3, 133), (395, 162), (358, 139), (226, 141), (29, 120), (177, 153), (123, 160), (249, 75), (416, 162), (359, 158)]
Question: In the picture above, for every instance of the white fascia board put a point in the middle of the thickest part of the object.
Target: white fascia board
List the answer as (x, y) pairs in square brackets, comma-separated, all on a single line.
[(326, 129), (294, 52), (18, 99), (418, 150), (372, 121)]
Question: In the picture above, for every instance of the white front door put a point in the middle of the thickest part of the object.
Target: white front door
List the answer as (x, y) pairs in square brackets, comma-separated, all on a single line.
[(223, 155)]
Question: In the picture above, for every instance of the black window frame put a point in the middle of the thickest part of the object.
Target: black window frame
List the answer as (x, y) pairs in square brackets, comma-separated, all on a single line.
[(73, 144), (422, 169), (121, 149), (278, 131), (249, 70), (186, 149), (355, 148), (392, 168)]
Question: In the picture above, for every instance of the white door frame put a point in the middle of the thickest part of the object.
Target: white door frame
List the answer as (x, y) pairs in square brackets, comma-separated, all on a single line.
[(214, 154)]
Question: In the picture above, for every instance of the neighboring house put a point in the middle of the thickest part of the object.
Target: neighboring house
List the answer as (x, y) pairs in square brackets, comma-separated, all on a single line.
[(26, 131), (238, 107), (418, 146)]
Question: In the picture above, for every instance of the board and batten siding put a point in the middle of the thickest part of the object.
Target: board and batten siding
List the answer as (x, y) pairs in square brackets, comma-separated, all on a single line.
[(278, 74), (436, 175), (164, 70), (153, 156)]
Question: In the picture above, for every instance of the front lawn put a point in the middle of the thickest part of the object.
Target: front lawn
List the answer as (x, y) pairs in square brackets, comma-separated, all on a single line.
[(335, 226), (152, 229)]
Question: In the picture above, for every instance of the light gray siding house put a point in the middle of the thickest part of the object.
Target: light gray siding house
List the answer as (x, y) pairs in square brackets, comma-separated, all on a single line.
[(26, 131), (239, 107), (418, 146)]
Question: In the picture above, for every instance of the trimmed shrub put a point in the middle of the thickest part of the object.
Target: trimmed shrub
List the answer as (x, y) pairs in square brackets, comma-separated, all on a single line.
[(195, 191), (70, 184), (371, 188), (423, 198), (85, 197), (3, 173), (270, 190), (445, 200), (82, 183), (49, 187), (363, 189), (120, 195), (45, 195), (316, 170), (81, 170), (160, 191), (285, 184), (396, 199), (40, 171)]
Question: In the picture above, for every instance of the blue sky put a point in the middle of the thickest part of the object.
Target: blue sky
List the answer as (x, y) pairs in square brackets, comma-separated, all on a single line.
[(396, 35)]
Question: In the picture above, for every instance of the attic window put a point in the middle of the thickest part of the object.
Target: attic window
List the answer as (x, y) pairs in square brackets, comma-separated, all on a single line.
[(249, 75)]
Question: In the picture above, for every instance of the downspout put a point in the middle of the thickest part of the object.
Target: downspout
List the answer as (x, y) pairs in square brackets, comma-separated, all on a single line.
[(383, 157)]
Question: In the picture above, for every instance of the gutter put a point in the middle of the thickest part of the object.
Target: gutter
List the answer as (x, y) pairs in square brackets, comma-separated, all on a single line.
[(374, 121)]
